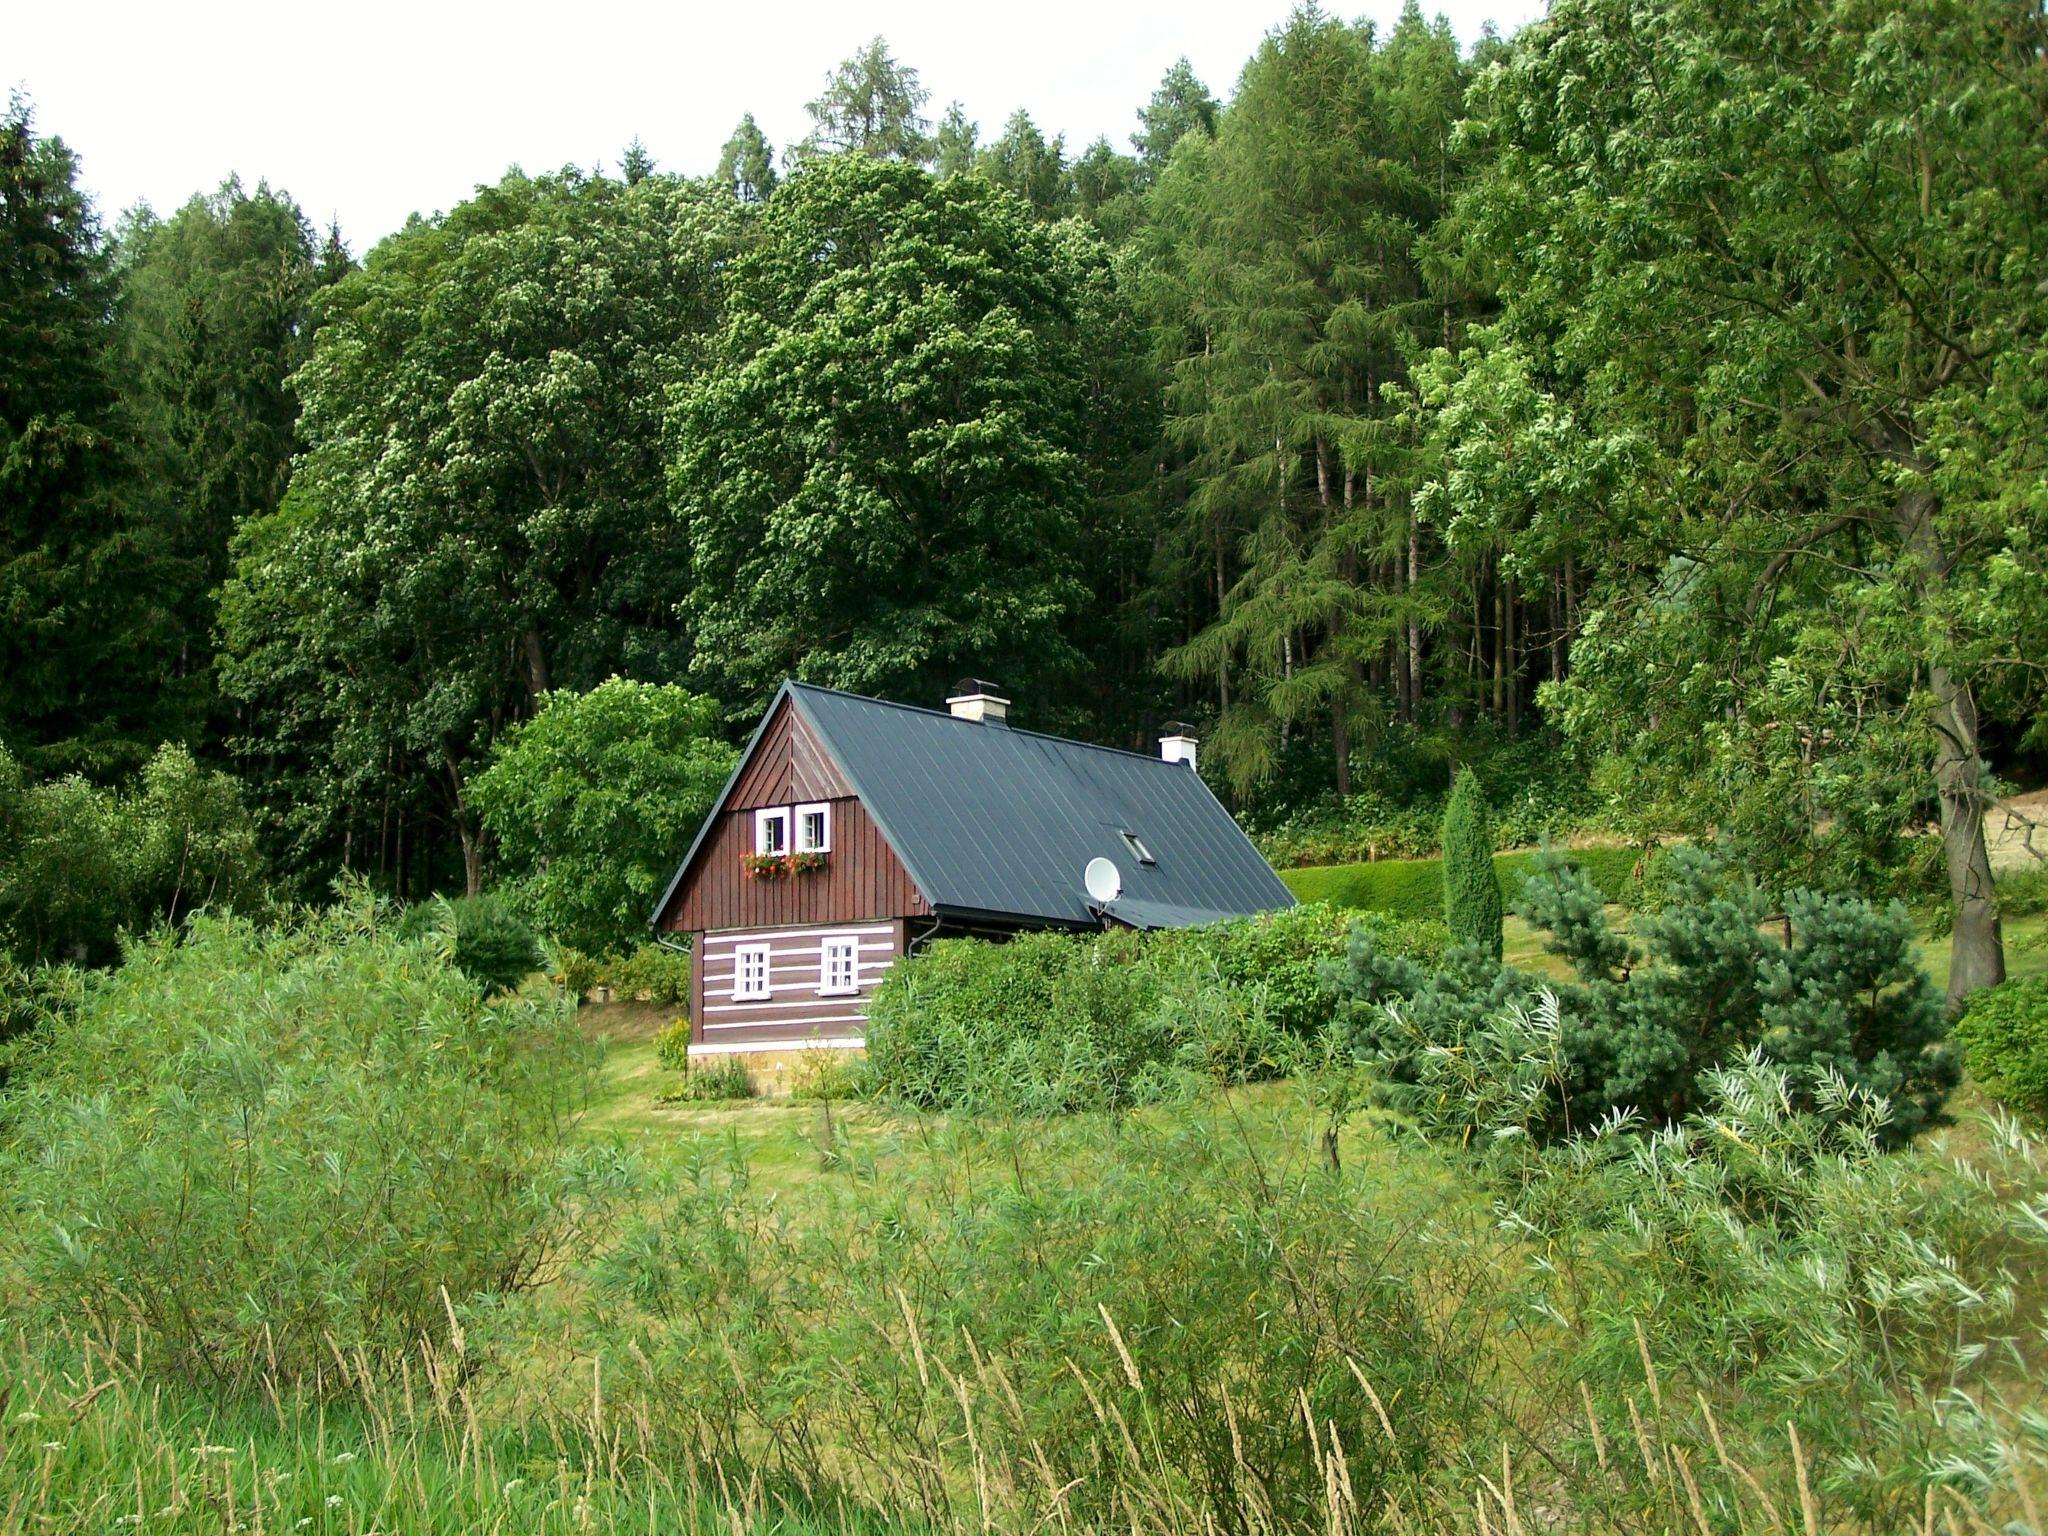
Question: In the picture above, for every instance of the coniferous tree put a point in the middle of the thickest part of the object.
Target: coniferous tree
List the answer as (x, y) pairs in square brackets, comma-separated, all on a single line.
[(82, 648), (636, 164), (1182, 105), (747, 164), (871, 106), (1472, 904), (1024, 162), (216, 315), (955, 146)]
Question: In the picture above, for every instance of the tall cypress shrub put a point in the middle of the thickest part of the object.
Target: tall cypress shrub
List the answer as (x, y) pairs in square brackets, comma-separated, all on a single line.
[(1472, 906)]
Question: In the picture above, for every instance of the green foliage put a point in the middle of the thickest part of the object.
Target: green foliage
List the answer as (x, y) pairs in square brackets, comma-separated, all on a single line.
[(1412, 889), (478, 514), (672, 1046), (826, 1076), (80, 864), (1169, 1331), (2004, 1036), (708, 1079), (1472, 904), (487, 938), (872, 106), (594, 800), (216, 313), (897, 470), (574, 971), (1048, 1022), (651, 973), (250, 1146), (1697, 987), (88, 660)]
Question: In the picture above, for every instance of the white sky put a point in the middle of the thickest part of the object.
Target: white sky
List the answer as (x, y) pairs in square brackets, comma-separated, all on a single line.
[(369, 110)]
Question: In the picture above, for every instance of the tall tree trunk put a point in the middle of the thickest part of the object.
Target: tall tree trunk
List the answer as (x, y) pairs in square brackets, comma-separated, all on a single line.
[(1976, 946), (537, 680), (466, 829), (1500, 646), (1414, 620)]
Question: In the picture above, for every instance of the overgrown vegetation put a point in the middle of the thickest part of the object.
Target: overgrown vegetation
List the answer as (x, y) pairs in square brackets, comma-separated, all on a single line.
[(487, 938), (249, 1147), (1834, 999), (1049, 1022)]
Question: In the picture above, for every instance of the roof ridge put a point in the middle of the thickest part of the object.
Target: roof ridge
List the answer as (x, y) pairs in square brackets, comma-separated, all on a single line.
[(1015, 730)]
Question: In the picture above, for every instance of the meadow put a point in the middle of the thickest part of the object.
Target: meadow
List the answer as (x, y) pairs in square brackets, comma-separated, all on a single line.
[(1261, 1307)]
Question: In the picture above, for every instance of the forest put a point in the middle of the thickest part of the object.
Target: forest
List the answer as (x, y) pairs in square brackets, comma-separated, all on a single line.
[(1587, 492)]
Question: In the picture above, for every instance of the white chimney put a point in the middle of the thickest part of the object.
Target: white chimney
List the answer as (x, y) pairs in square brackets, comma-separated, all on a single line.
[(977, 700), (1177, 745)]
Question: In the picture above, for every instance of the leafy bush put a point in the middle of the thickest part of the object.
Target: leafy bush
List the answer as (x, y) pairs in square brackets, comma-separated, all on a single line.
[(1697, 987), (1472, 894), (1413, 889), (828, 1077), (711, 1080), (651, 974), (79, 864), (574, 971), (672, 1046), (2004, 1037), (251, 1146), (594, 800), (485, 937), (1051, 1022)]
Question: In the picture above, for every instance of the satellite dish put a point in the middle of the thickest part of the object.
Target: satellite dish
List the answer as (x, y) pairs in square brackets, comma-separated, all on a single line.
[(1103, 882)]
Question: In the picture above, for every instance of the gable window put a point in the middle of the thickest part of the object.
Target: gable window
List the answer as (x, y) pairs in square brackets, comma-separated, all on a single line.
[(771, 831), (1138, 850), (749, 971), (814, 828), (838, 966)]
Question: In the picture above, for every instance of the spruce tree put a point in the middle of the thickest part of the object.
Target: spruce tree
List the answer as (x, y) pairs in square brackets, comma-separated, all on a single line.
[(1472, 906), (747, 163)]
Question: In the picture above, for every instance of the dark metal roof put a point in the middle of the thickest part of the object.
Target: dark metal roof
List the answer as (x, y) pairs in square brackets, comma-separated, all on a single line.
[(989, 819)]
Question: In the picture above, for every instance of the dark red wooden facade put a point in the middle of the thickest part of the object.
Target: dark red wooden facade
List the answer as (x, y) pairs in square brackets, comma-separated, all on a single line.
[(863, 891)]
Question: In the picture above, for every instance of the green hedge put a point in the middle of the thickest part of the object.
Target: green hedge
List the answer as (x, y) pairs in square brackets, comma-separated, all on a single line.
[(1414, 888)]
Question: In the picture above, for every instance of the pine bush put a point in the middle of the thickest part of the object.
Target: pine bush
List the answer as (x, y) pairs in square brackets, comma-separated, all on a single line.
[(1472, 904)]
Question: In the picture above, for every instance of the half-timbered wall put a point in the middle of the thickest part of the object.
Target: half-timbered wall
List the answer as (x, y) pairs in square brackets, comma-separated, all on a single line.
[(796, 1012)]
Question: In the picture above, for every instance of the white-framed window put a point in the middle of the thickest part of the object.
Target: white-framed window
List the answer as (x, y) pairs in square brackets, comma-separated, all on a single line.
[(838, 965), (814, 828), (749, 972), (771, 830)]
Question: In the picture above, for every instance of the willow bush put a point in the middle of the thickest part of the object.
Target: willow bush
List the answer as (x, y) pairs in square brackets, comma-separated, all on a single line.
[(253, 1146)]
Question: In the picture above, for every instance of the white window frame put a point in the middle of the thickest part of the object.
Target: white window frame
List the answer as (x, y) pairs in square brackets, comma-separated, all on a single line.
[(763, 820), (848, 949), (823, 811), (747, 987)]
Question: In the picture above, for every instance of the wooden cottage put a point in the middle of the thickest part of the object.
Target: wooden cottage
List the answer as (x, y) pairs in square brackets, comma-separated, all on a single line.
[(855, 830)]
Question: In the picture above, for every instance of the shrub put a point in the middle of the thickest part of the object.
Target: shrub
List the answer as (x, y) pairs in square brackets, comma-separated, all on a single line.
[(711, 1080), (485, 937), (251, 1148), (574, 971), (672, 1046), (2004, 1037), (1472, 895), (594, 800), (1698, 987), (652, 973)]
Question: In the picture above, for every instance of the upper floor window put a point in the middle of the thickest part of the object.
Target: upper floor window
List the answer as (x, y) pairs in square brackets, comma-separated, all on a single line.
[(814, 828), (771, 831)]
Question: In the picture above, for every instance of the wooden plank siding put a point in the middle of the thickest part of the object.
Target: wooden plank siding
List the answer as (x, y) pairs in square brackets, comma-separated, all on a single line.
[(863, 886), (793, 1014)]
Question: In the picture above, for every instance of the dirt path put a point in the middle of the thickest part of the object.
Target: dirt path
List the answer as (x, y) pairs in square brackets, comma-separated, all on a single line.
[(2010, 826)]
